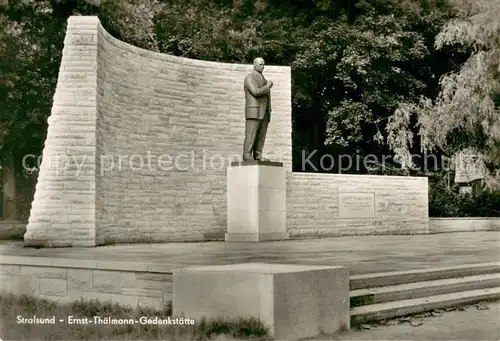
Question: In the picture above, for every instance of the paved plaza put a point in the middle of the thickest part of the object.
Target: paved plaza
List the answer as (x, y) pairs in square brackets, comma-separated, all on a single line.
[(362, 254), (471, 324)]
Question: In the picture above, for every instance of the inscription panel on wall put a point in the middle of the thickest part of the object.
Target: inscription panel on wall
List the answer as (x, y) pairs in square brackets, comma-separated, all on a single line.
[(356, 205)]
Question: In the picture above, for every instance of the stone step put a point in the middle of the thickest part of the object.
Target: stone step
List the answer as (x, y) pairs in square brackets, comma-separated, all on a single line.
[(387, 310), (422, 289), (380, 279)]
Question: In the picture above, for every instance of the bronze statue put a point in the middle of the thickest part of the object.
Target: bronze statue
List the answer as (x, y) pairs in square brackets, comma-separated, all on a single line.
[(257, 111)]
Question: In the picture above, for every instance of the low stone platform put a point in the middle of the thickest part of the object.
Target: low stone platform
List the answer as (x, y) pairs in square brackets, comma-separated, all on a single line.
[(141, 274), (293, 301)]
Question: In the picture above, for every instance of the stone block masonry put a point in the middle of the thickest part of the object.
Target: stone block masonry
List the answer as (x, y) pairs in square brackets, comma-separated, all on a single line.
[(318, 204), (139, 143), (446, 225), (63, 209), (85, 281), (144, 140)]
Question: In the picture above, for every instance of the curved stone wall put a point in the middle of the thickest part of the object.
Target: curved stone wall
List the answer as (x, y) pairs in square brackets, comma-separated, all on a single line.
[(147, 138), (138, 144)]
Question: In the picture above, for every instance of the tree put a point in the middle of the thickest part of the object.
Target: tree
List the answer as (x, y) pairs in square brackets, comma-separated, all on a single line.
[(31, 45), (465, 115), (352, 61), (132, 20), (362, 63), (21, 103)]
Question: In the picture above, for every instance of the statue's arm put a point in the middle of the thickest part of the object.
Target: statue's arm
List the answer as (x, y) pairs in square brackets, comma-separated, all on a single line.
[(252, 87)]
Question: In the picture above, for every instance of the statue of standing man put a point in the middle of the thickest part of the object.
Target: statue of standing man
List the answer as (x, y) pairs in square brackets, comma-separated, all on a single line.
[(257, 111)]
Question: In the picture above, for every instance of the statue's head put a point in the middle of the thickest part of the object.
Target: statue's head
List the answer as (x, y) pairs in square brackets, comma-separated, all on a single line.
[(258, 64)]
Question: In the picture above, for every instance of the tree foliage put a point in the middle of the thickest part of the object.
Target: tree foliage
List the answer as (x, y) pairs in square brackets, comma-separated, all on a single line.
[(31, 45), (365, 71), (132, 21), (367, 75), (352, 62), (361, 64), (446, 201), (465, 114)]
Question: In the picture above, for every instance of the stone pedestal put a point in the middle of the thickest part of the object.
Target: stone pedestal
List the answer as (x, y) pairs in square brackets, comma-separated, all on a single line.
[(256, 201), (293, 301)]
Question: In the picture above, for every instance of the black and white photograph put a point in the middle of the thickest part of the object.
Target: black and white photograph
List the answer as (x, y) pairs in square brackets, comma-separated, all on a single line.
[(249, 170)]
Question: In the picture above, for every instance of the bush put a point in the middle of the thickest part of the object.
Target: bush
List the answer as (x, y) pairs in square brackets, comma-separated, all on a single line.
[(447, 202)]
